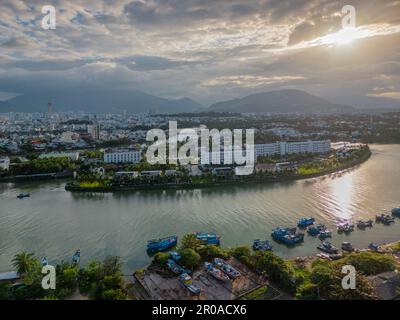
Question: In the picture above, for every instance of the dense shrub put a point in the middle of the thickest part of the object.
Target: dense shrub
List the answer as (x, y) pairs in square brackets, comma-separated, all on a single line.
[(190, 258), (369, 263), (211, 251)]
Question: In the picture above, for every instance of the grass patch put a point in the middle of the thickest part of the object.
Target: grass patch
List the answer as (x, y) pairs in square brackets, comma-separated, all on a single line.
[(262, 293)]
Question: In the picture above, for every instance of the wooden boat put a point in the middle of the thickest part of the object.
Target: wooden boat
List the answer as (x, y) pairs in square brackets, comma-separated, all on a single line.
[(23, 195), (263, 245), (327, 247), (346, 246), (216, 273), (187, 282), (227, 268), (77, 257), (362, 224), (156, 245), (45, 262), (208, 237), (305, 222)]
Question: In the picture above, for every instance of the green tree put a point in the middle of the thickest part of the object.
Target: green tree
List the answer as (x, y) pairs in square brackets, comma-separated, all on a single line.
[(190, 258), (24, 262), (190, 241)]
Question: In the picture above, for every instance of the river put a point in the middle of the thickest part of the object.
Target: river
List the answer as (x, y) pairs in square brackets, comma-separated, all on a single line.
[(54, 222)]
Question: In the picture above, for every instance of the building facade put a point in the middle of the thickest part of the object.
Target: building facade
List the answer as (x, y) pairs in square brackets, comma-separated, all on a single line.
[(94, 131), (122, 156), (282, 148), (4, 163)]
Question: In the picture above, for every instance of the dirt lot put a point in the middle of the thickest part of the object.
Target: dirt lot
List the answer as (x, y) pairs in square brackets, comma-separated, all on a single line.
[(163, 287)]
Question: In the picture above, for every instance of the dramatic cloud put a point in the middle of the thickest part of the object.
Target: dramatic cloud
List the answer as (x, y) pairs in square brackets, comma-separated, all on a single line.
[(205, 49)]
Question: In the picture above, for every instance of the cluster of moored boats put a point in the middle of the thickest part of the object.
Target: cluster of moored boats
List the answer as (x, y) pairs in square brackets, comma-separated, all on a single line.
[(287, 236), (219, 269), (162, 244)]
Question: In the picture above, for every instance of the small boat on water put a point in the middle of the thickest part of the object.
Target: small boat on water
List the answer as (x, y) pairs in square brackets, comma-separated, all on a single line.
[(45, 262), (375, 247), (347, 246), (396, 212), (216, 273), (77, 257), (345, 227), (362, 224), (315, 230), (263, 245), (227, 268), (325, 234), (384, 218), (327, 247), (208, 238), (23, 195), (305, 222), (288, 236), (156, 245), (187, 282)]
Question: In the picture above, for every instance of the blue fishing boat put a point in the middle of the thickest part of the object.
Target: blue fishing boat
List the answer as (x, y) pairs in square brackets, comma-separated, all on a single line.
[(174, 267), (263, 245), (376, 247), (156, 245), (315, 230), (23, 195), (44, 261), (227, 268), (328, 247), (216, 273), (77, 257), (396, 212), (288, 236), (305, 222), (325, 234), (208, 238), (187, 282), (175, 256)]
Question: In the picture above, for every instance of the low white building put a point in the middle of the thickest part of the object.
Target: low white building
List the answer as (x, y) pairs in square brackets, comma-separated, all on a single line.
[(283, 147), (4, 163), (122, 156)]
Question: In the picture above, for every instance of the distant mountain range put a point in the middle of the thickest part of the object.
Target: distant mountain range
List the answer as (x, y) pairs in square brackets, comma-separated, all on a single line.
[(281, 101), (133, 101), (112, 101)]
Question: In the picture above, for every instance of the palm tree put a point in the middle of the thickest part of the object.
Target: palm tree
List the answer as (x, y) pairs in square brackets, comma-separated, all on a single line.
[(24, 262)]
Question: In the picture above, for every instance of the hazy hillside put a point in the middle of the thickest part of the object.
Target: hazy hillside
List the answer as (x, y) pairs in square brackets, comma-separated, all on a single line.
[(281, 101), (98, 101)]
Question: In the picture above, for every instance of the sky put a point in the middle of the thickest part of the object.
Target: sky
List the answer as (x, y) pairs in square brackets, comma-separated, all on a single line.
[(208, 50)]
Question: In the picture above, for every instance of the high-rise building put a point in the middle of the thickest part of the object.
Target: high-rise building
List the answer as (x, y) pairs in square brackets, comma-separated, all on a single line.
[(49, 109), (94, 131)]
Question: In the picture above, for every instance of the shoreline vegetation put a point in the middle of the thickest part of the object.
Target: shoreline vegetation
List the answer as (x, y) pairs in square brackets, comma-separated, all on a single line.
[(305, 171), (272, 277)]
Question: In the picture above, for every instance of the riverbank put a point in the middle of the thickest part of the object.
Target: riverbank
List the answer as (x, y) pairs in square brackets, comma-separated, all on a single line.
[(265, 276), (242, 180)]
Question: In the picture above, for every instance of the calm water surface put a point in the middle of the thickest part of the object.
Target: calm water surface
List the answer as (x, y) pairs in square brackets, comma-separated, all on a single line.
[(54, 223)]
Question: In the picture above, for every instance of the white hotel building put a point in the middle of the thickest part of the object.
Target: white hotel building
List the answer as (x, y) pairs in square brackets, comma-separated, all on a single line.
[(122, 156), (282, 148)]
